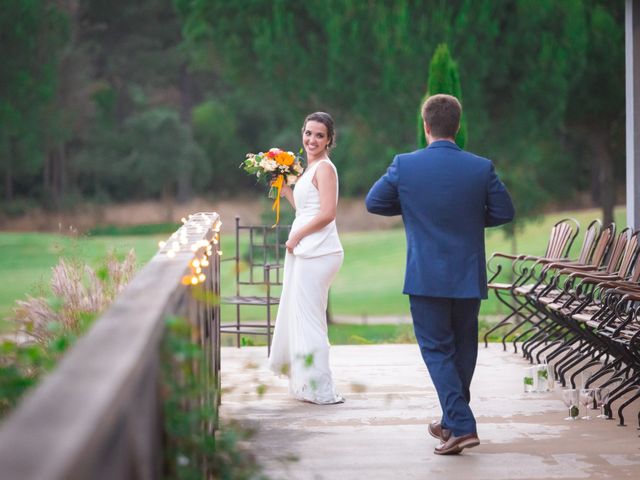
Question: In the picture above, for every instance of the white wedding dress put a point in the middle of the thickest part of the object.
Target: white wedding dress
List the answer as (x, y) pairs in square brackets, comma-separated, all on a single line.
[(300, 347)]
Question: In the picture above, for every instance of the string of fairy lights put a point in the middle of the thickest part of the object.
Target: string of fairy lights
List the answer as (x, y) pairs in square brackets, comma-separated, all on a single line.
[(181, 241)]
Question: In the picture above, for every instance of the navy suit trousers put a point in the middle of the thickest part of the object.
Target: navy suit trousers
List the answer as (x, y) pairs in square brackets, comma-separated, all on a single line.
[(447, 333)]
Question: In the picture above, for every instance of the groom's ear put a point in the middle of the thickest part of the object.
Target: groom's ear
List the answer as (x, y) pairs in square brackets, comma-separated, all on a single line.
[(427, 130)]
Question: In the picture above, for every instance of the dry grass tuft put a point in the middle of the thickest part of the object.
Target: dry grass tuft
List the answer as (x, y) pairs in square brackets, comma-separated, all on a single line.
[(79, 290)]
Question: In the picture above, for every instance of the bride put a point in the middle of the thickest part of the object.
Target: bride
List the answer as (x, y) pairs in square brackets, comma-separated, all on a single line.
[(300, 348)]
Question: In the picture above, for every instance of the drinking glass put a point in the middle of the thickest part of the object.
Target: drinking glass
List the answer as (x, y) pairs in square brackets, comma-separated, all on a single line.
[(542, 374), (602, 395), (529, 376), (551, 377), (586, 400), (570, 398)]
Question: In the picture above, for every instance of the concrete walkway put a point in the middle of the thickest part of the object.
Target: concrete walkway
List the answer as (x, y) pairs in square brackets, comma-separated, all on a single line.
[(380, 432)]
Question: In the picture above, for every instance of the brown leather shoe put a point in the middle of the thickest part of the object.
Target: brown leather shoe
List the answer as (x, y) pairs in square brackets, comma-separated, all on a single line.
[(455, 445), (436, 431)]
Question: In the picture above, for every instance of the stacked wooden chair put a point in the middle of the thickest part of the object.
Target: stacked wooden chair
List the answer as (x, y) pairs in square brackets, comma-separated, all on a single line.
[(545, 274), (606, 258), (594, 323), (560, 241), (582, 315)]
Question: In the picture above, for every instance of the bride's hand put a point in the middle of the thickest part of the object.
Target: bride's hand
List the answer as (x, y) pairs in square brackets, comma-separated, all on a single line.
[(293, 241), (285, 190)]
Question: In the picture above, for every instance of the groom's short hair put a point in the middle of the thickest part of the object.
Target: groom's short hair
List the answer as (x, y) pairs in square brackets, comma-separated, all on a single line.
[(442, 113)]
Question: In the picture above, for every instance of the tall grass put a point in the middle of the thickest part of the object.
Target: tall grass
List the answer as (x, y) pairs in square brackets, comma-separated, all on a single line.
[(77, 290)]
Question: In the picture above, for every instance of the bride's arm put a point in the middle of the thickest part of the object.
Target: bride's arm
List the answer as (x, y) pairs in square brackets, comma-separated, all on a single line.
[(328, 189), (287, 193)]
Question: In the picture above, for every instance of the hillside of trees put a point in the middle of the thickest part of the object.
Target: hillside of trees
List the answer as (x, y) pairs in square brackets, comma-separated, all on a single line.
[(112, 100)]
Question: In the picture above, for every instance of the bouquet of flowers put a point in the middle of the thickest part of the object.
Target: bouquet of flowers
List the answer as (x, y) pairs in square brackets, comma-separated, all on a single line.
[(274, 167)]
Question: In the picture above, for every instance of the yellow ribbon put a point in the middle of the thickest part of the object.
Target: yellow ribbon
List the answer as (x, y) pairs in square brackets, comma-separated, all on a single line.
[(276, 203)]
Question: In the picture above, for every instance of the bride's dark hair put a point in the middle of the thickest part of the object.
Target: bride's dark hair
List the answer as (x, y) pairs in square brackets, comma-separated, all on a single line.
[(325, 119)]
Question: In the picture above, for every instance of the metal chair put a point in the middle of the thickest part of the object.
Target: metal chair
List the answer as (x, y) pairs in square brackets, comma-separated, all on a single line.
[(258, 263), (561, 239)]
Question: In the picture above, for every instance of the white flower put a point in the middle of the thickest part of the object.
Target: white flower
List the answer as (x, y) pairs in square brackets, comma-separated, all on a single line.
[(291, 179), (268, 165), (298, 168)]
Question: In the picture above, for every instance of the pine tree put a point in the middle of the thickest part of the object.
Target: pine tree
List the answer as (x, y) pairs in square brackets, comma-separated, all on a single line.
[(443, 78)]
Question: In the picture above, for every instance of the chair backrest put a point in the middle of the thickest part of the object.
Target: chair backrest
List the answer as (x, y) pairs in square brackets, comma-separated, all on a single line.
[(601, 248), (590, 237), (635, 271), (630, 254), (256, 247), (561, 238), (617, 250)]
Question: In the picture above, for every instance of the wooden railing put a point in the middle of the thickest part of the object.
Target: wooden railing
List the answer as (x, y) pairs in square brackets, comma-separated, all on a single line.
[(99, 414)]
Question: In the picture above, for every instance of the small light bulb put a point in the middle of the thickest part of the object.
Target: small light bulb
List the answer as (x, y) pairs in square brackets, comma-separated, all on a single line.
[(171, 254), (220, 252), (195, 263), (194, 280), (198, 270), (161, 244), (202, 277)]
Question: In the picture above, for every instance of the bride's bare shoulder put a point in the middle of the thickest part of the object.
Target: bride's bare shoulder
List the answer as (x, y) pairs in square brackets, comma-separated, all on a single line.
[(326, 170)]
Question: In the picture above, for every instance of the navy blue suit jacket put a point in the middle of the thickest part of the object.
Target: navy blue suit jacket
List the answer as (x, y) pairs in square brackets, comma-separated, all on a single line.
[(446, 197)]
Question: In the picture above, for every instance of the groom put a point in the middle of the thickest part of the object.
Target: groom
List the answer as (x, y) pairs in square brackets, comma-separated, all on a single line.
[(446, 197)]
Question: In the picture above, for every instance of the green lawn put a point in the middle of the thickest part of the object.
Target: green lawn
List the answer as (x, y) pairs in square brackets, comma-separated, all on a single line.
[(369, 283), (26, 259)]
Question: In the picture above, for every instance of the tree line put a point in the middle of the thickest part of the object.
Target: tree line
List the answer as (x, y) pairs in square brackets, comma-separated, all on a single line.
[(111, 100)]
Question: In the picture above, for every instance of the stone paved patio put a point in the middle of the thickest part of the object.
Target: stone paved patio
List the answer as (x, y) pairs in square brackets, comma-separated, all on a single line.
[(380, 432)]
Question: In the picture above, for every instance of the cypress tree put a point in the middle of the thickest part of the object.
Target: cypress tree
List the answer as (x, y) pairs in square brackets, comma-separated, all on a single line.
[(443, 78)]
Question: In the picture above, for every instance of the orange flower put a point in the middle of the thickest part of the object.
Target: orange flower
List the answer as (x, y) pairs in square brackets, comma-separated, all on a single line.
[(283, 158)]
